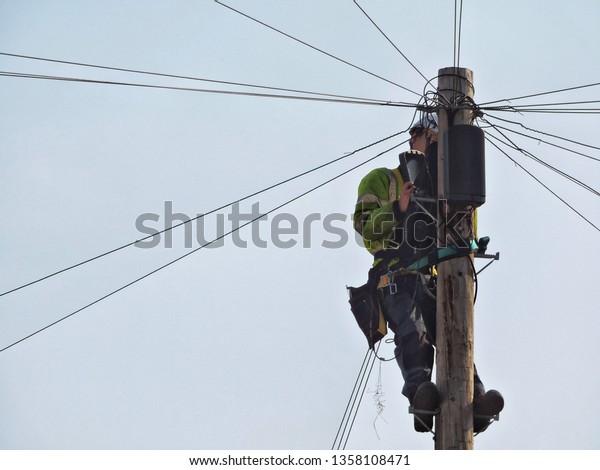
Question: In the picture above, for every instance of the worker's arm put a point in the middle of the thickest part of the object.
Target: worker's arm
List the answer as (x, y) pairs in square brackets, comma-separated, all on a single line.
[(374, 219)]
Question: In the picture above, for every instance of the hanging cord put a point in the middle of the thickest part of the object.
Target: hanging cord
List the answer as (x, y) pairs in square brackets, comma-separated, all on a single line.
[(383, 359), (379, 402)]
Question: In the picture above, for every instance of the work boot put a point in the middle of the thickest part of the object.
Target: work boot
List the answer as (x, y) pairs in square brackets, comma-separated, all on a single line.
[(425, 400), (485, 408)]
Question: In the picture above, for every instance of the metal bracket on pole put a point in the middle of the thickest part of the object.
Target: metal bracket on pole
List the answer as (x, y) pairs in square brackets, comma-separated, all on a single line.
[(490, 420), (493, 258), (412, 411)]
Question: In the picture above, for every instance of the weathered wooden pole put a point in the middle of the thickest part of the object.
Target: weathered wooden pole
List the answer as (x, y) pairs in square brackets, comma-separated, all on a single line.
[(454, 342)]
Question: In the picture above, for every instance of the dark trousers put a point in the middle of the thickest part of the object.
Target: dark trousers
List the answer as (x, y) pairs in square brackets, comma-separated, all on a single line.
[(411, 314)]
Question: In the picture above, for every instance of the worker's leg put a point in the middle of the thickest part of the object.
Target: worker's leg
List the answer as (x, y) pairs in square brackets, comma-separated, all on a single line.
[(414, 351)]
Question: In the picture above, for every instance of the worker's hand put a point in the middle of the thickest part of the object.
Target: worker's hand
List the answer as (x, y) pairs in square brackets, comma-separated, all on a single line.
[(407, 190)]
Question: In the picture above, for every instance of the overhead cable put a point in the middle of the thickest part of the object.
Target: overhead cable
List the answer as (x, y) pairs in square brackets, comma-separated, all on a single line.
[(315, 48), (541, 183), (518, 106), (543, 133), (542, 162), (534, 109), (353, 405), (546, 142), (202, 90), (160, 268), (457, 41), (389, 40), (181, 77), (341, 432), (534, 106), (542, 93), (256, 193)]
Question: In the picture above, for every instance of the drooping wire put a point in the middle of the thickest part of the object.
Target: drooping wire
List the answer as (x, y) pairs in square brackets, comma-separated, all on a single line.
[(204, 90), (389, 40), (160, 268), (181, 77), (315, 48), (256, 193), (541, 183)]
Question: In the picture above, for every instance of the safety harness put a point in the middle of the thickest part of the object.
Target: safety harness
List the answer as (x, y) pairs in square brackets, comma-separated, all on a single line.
[(364, 300)]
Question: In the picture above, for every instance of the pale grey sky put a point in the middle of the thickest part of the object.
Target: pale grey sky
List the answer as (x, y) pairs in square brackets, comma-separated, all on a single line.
[(255, 348)]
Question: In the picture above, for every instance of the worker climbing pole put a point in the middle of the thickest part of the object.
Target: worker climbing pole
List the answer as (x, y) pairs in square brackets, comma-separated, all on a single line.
[(418, 223)]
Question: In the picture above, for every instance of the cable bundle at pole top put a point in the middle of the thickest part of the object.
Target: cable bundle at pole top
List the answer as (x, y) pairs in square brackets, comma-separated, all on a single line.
[(499, 131)]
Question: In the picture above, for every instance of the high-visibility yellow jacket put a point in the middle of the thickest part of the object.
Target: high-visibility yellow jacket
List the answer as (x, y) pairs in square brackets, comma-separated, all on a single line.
[(377, 210), (377, 213)]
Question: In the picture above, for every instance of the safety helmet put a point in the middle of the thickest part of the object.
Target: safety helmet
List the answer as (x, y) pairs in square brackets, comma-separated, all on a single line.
[(427, 121)]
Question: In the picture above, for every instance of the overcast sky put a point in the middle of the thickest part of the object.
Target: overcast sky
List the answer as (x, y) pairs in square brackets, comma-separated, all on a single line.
[(255, 347)]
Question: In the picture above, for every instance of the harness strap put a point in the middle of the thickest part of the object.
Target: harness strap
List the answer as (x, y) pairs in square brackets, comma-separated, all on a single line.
[(431, 259)]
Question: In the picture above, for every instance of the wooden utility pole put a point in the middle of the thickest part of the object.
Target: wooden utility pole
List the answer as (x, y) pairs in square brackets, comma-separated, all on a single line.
[(454, 341)]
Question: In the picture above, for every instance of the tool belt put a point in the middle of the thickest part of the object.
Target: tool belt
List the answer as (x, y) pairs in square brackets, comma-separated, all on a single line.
[(366, 308), (365, 300)]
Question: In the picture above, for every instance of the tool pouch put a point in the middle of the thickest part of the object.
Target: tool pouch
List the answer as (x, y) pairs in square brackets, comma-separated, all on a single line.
[(365, 306)]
